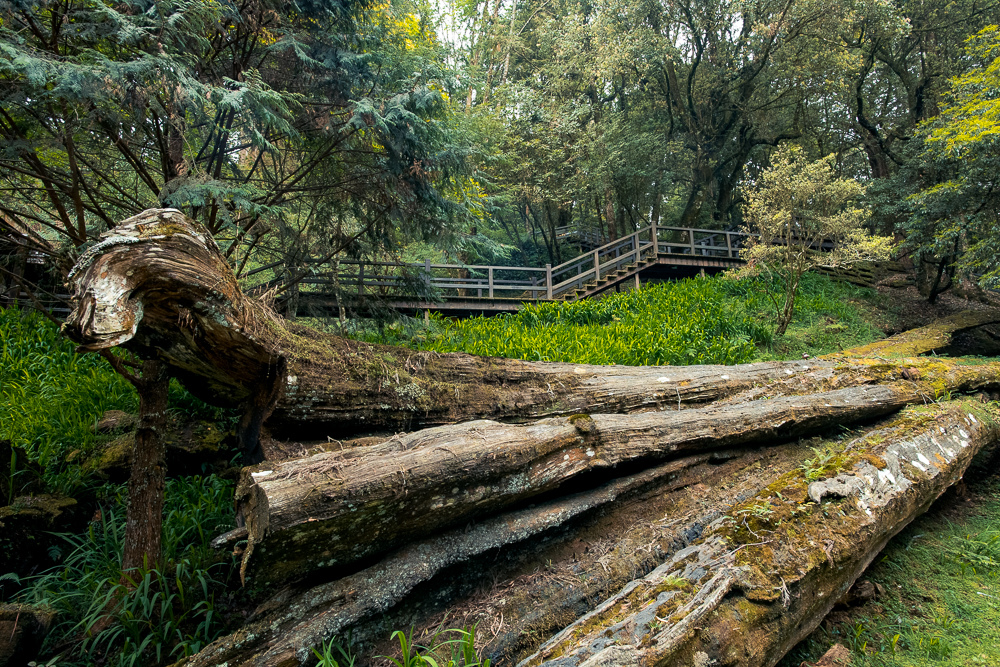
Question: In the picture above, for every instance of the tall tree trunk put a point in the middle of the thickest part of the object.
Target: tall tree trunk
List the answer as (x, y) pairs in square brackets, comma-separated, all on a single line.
[(609, 214), (144, 516)]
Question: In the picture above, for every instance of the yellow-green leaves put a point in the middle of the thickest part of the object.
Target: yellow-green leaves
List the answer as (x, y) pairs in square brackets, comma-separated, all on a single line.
[(973, 115), (803, 215)]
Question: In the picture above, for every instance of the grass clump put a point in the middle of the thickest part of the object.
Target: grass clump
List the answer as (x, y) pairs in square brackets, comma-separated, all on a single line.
[(152, 616), (714, 320), (51, 398)]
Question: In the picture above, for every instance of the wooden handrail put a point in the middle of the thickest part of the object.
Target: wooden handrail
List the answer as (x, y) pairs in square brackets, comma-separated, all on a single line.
[(630, 250)]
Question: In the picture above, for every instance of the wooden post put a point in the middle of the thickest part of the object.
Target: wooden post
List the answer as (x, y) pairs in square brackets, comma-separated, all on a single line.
[(427, 275), (336, 292), (548, 282), (597, 265), (729, 244), (491, 281), (20, 268), (637, 282), (635, 247), (653, 237), (691, 239), (361, 278)]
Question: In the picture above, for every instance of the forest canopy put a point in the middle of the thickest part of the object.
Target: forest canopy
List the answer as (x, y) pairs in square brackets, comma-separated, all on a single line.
[(325, 129)]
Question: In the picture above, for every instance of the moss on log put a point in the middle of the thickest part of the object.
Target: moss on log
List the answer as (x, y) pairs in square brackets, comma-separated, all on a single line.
[(935, 336), (158, 285), (764, 576)]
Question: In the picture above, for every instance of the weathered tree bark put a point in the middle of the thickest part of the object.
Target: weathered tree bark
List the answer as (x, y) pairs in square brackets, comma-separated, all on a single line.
[(158, 284), (734, 554), (297, 512), (763, 577), (144, 515)]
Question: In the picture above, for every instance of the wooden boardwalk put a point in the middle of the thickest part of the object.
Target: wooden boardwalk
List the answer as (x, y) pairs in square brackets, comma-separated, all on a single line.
[(653, 252)]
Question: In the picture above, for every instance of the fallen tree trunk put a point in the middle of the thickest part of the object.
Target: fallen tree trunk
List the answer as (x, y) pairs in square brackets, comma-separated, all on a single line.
[(763, 577), (452, 497), (726, 555), (301, 621), (298, 513), (157, 284)]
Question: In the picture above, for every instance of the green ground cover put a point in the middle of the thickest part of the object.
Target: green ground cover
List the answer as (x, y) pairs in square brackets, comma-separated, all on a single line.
[(714, 320), (152, 616), (50, 398)]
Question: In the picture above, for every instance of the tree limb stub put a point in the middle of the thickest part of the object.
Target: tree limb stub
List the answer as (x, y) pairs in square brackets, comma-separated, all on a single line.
[(158, 283)]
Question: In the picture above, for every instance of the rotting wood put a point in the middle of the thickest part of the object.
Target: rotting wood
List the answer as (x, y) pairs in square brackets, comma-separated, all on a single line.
[(935, 336), (297, 622), (526, 606), (763, 577), (158, 284), (298, 512)]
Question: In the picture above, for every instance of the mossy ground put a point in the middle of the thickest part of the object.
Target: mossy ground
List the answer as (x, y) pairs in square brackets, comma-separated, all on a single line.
[(941, 583)]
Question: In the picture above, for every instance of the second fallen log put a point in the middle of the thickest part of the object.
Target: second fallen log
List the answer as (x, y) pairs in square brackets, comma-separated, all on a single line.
[(336, 508)]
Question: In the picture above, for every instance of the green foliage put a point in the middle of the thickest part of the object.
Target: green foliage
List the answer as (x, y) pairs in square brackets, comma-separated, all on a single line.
[(459, 651), (713, 320), (795, 207), (953, 217), (152, 616), (50, 396), (671, 323), (288, 129), (327, 652)]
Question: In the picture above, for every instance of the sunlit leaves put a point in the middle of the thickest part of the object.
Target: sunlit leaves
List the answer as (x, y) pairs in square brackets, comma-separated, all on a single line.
[(955, 216)]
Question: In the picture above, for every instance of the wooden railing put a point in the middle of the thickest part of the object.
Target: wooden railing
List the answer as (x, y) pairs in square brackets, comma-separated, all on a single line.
[(438, 282)]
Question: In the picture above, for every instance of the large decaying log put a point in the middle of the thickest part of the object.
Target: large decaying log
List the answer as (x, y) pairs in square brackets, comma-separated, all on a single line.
[(734, 557), (307, 619), (158, 284), (336, 508), (762, 578), (679, 519)]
